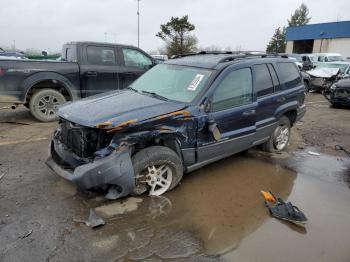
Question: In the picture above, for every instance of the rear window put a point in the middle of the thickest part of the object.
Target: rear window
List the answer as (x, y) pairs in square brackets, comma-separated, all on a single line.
[(263, 79), (289, 75), (69, 53)]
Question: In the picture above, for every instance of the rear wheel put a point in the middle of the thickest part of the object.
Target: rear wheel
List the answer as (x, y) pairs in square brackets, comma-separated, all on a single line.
[(43, 104), (280, 137), (157, 170)]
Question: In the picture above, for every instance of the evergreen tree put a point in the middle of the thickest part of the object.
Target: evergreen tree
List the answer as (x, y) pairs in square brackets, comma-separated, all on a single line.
[(277, 43), (177, 35), (300, 16)]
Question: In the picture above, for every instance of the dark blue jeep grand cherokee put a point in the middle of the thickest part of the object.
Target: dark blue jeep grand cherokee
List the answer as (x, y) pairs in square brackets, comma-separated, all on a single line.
[(179, 116)]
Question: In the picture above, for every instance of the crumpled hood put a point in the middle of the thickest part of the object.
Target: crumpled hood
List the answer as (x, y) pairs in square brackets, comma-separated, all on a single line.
[(323, 72), (117, 107)]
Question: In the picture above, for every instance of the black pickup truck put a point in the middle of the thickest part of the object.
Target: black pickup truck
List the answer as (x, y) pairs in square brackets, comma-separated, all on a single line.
[(85, 69)]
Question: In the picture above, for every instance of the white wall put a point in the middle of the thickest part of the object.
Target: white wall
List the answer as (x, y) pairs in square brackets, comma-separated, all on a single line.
[(339, 45), (289, 47), (336, 45)]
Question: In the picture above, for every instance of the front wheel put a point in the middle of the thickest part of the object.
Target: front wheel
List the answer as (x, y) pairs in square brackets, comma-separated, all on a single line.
[(157, 169), (280, 137), (43, 104)]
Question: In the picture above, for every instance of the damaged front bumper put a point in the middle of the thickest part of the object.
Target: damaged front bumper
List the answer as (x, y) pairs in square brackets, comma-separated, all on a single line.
[(115, 169)]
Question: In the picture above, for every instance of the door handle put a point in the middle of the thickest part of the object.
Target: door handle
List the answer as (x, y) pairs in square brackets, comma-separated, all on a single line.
[(91, 73), (281, 99), (249, 113), (129, 73)]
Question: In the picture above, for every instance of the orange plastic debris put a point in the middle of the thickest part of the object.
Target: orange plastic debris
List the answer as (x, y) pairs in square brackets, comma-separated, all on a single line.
[(268, 196)]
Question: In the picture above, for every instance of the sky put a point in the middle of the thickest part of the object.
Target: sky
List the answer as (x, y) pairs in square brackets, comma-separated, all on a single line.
[(249, 24)]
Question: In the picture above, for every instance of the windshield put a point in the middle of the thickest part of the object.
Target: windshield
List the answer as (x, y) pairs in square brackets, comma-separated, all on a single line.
[(335, 58), (297, 58), (174, 82)]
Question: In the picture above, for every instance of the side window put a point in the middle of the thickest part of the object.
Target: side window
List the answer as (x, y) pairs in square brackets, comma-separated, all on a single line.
[(235, 89), (263, 85), (98, 55), (289, 75), (320, 59), (275, 81), (135, 58)]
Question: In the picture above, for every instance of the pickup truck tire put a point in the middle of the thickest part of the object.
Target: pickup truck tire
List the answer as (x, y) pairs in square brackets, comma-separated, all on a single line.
[(153, 166), (280, 137), (43, 104)]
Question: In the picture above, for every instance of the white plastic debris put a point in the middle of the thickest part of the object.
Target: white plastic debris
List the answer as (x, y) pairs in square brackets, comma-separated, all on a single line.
[(313, 153)]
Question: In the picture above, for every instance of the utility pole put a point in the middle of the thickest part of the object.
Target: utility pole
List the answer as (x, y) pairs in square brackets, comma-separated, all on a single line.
[(138, 23)]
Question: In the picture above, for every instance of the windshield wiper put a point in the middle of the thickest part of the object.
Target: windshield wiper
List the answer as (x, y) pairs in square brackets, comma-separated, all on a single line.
[(154, 95), (133, 89)]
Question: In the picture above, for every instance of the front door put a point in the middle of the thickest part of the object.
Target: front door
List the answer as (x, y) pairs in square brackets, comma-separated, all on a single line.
[(233, 110), (99, 72), (135, 64)]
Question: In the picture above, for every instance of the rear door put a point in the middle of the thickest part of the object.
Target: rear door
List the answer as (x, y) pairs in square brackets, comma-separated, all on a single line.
[(266, 84), (134, 64), (99, 70), (234, 111)]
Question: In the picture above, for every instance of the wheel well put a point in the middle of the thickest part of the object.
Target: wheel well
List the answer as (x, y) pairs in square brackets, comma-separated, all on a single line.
[(292, 116), (170, 143), (51, 84)]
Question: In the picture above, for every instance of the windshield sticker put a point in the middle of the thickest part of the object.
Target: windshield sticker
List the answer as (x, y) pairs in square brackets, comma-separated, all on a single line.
[(195, 82)]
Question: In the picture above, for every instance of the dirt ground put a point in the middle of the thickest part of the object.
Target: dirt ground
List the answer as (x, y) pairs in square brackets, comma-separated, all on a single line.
[(216, 214)]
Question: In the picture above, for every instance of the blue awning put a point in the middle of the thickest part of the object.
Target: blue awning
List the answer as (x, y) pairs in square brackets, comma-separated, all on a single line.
[(319, 31)]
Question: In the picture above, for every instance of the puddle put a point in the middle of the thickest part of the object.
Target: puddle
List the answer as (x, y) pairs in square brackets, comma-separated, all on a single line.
[(218, 213), (325, 167), (321, 192), (118, 208), (210, 212)]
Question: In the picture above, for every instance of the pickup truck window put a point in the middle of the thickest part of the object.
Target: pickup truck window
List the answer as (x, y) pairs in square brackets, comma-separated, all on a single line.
[(100, 55), (135, 58), (179, 83), (235, 90), (289, 75)]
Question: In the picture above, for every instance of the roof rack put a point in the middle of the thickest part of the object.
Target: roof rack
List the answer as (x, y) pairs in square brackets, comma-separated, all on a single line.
[(251, 55), (234, 55)]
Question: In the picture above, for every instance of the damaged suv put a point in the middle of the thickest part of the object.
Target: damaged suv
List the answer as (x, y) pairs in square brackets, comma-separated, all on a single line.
[(179, 116)]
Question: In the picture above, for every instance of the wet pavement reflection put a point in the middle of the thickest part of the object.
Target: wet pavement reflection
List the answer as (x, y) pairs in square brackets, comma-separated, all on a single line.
[(209, 213)]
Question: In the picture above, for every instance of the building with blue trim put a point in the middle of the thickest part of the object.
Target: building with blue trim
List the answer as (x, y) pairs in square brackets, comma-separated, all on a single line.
[(331, 37)]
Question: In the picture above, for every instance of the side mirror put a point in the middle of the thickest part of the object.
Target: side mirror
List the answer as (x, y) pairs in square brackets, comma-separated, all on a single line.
[(213, 128)]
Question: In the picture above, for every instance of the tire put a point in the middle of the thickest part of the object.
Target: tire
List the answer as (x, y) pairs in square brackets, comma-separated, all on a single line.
[(307, 86), (272, 145), (43, 104), (156, 156)]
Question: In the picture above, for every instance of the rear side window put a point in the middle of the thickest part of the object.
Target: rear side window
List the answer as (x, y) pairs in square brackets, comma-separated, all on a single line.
[(274, 77), (98, 55), (288, 75), (235, 90), (263, 85)]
